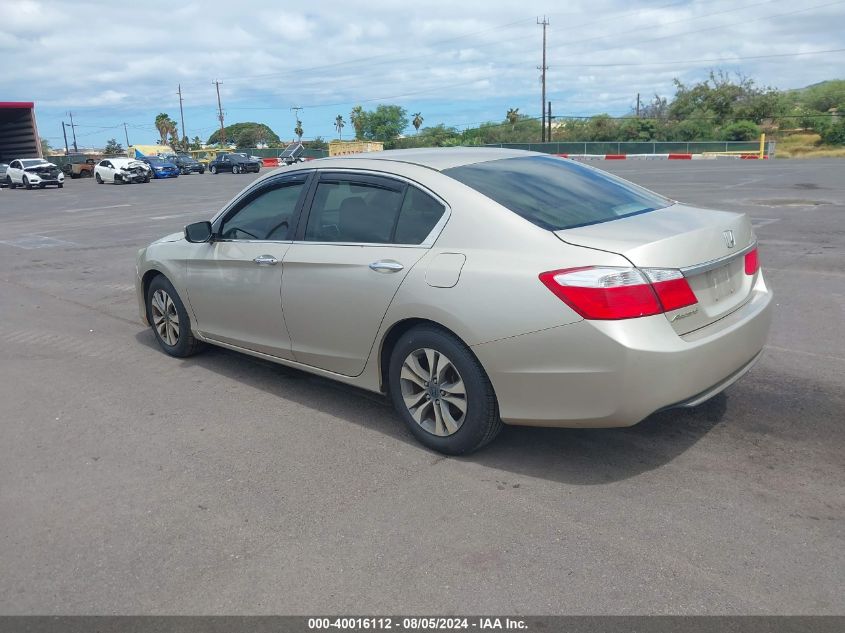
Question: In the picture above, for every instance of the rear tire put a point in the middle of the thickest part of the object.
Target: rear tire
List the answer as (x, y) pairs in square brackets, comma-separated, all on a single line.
[(236, 169), (169, 320), (440, 416), (213, 169), (11, 184)]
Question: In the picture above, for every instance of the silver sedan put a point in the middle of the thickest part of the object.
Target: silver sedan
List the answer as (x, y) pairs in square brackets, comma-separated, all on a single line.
[(474, 287)]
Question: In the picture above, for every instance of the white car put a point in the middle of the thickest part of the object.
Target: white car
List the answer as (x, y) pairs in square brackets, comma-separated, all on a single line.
[(33, 172), (122, 170)]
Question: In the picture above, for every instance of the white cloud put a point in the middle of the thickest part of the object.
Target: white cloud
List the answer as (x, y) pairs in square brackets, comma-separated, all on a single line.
[(464, 60)]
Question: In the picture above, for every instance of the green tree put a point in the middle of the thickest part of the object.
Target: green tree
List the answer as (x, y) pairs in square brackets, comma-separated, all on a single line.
[(433, 136), (512, 117), (638, 130), (418, 121), (247, 138), (165, 126), (317, 143), (834, 134), (693, 129), (602, 128), (741, 131), (339, 124), (196, 143), (386, 123), (113, 148), (46, 148), (263, 133), (357, 119)]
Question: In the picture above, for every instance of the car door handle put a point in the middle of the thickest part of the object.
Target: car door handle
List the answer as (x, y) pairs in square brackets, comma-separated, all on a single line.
[(386, 266), (266, 260)]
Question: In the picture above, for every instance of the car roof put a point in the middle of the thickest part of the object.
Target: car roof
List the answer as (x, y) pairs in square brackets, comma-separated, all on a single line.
[(440, 158)]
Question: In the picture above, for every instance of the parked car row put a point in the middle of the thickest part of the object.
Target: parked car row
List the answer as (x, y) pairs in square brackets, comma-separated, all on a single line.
[(37, 172)]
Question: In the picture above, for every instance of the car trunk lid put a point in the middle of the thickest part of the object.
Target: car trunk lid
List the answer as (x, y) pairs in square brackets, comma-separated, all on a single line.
[(707, 246)]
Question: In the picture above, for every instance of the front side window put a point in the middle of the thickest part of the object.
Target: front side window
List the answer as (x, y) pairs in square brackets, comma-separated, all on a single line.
[(556, 194), (266, 216), (349, 211)]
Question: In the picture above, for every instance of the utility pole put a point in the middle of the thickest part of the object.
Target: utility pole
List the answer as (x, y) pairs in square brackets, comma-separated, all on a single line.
[(73, 129), (543, 69), (217, 83), (182, 112), (127, 135), (550, 122), (64, 132), (638, 105)]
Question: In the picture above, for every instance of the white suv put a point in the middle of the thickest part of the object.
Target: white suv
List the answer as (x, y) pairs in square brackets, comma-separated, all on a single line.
[(33, 172)]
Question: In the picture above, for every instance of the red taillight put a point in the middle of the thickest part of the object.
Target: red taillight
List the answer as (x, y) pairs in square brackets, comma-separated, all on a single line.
[(752, 262), (671, 287), (604, 293)]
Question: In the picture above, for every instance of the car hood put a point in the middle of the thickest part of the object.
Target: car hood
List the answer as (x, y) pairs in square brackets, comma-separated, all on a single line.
[(42, 166)]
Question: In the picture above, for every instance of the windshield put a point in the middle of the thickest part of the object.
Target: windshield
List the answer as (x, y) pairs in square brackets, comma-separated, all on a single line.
[(33, 162), (556, 194), (157, 162)]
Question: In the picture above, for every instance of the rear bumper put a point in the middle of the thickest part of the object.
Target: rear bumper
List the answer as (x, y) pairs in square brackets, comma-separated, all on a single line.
[(615, 373)]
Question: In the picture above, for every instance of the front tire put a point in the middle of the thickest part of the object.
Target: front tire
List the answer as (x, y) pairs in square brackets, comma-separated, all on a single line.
[(61, 185), (26, 183), (169, 320), (98, 179), (442, 392)]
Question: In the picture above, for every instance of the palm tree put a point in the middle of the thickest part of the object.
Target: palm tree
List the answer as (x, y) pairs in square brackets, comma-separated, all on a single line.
[(357, 118), (339, 124), (418, 121), (173, 132), (512, 116), (298, 129), (162, 124)]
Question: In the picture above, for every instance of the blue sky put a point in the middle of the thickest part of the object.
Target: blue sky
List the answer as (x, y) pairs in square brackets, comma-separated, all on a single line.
[(456, 63)]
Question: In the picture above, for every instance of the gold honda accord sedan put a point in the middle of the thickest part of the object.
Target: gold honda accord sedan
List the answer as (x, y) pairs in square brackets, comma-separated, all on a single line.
[(474, 287)]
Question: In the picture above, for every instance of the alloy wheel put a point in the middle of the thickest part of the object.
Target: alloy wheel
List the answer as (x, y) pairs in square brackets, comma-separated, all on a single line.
[(165, 317), (433, 392)]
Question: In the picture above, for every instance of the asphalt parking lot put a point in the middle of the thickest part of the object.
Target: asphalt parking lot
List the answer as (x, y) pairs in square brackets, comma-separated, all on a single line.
[(136, 483)]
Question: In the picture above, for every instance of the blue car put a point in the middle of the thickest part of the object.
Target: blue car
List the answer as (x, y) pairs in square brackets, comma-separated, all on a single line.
[(161, 168)]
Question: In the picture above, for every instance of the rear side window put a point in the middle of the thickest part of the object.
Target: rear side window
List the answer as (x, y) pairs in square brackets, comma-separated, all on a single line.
[(420, 212), (557, 194), (345, 211)]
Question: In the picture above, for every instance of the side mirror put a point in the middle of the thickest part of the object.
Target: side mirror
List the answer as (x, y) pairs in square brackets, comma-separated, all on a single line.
[(198, 232)]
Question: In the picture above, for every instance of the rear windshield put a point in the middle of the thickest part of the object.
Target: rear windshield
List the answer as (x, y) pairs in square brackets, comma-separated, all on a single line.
[(557, 194)]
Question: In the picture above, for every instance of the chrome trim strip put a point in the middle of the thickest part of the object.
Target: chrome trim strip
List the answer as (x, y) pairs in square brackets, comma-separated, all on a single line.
[(717, 263)]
